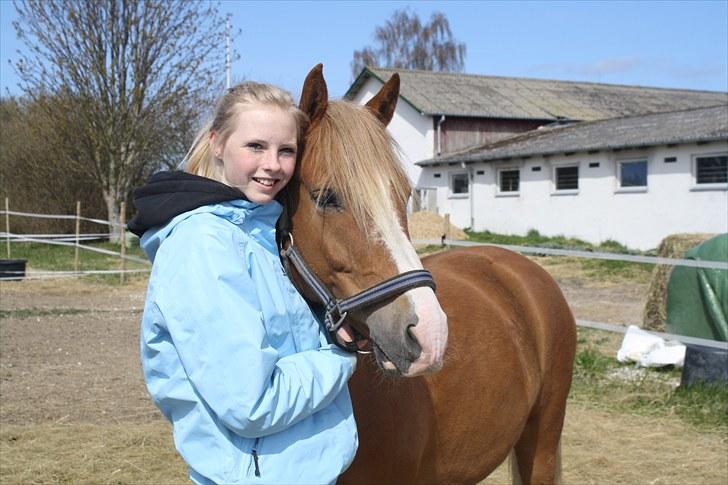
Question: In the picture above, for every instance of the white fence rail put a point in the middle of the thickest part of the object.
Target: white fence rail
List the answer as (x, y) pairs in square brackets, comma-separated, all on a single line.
[(721, 265), (632, 258), (64, 240), (61, 216), (73, 240)]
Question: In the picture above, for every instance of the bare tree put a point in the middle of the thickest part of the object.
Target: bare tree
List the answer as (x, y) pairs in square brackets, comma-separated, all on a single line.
[(123, 81), (404, 42), (34, 178)]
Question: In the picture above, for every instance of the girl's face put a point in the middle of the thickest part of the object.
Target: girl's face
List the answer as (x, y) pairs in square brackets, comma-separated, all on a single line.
[(259, 156)]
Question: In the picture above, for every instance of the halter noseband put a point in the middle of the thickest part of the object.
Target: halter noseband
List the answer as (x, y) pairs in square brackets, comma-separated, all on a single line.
[(337, 309)]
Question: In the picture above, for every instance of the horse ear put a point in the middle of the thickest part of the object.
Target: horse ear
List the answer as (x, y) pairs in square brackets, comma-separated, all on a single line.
[(383, 104), (315, 94)]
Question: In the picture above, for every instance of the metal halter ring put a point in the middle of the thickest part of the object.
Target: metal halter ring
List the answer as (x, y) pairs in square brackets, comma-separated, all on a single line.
[(333, 327)]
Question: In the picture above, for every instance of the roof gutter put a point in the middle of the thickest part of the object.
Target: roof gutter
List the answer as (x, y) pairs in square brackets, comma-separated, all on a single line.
[(467, 159), (439, 134)]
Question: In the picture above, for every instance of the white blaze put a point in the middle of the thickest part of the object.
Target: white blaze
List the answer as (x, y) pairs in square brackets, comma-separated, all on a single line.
[(431, 328)]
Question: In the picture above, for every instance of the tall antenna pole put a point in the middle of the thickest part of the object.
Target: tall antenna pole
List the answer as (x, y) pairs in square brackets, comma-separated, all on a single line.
[(227, 52)]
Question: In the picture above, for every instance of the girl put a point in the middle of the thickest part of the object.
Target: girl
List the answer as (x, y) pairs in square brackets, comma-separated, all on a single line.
[(231, 353)]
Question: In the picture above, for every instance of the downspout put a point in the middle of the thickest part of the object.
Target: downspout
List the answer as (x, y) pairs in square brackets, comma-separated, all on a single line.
[(471, 192), (439, 134)]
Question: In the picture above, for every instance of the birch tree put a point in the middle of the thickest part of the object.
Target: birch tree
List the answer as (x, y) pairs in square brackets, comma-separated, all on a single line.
[(122, 81), (405, 42)]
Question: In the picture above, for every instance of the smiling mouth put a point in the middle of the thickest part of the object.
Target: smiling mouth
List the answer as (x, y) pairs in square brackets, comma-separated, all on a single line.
[(265, 181)]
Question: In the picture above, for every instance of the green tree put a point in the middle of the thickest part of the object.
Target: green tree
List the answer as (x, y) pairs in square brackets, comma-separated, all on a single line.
[(405, 42), (122, 82)]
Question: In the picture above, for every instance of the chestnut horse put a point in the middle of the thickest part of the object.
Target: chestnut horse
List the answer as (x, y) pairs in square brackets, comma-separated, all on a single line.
[(509, 333)]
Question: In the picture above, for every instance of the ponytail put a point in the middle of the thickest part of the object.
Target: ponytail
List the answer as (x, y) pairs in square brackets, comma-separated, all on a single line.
[(199, 160)]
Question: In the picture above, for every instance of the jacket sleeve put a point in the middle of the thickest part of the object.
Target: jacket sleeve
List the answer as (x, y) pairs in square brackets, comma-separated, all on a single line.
[(208, 303)]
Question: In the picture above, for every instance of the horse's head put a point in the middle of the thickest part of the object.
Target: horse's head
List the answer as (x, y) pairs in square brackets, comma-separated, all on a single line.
[(347, 207)]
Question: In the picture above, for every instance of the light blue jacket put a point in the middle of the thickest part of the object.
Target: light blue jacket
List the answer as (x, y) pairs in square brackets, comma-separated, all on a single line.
[(234, 358)]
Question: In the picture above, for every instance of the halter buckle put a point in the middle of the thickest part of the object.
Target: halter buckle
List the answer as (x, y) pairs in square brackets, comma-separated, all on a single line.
[(334, 309)]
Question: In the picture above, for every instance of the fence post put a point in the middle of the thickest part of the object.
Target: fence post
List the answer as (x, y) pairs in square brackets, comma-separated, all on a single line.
[(122, 230), (78, 230), (7, 224), (445, 229)]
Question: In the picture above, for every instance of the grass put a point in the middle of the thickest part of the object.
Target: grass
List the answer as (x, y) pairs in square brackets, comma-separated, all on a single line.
[(532, 238), (593, 268), (113, 454), (48, 257), (429, 249), (40, 312), (602, 381)]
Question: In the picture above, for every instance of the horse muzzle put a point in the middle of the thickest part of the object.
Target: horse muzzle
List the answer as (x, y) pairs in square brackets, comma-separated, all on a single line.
[(409, 335)]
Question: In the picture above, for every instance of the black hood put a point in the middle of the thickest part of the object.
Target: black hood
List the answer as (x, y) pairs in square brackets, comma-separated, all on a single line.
[(168, 194)]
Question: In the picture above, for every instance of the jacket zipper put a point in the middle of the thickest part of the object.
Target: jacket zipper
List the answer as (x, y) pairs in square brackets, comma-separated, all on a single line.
[(255, 457)]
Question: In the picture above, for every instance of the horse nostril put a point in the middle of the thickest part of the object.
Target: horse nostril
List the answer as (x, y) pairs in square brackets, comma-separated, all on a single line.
[(411, 343)]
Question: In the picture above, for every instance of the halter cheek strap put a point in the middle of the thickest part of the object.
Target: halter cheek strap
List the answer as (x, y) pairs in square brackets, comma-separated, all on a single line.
[(337, 309)]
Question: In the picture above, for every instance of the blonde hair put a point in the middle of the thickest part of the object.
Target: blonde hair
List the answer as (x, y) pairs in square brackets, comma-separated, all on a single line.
[(200, 159), (356, 156)]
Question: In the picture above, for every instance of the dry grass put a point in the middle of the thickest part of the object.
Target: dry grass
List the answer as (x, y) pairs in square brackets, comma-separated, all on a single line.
[(674, 246), (602, 447), (598, 447), (428, 225), (90, 454), (74, 410)]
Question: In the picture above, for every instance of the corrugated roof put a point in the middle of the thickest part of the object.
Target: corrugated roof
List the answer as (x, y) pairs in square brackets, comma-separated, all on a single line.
[(684, 126), (458, 94)]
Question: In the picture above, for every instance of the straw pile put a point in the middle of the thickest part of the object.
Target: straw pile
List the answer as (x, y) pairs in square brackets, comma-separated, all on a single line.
[(428, 225), (673, 246)]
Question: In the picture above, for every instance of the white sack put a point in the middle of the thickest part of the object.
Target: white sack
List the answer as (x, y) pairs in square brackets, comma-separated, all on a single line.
[(649, 350)]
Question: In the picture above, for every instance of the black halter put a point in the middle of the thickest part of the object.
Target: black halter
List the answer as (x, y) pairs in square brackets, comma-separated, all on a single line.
[(337, 309)]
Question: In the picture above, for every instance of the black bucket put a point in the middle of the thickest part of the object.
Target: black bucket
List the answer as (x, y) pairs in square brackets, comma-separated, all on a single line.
[(708, 365), (12, 269)]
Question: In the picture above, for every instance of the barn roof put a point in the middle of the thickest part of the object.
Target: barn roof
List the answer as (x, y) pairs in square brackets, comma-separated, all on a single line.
[(684, 126), (456, 94)]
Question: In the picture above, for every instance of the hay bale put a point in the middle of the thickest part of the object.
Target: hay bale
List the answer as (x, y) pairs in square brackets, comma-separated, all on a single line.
[(673, 246), (428, 225)]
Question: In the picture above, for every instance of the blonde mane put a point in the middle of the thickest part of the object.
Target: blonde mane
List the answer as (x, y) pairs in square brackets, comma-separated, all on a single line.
[(355, 156)]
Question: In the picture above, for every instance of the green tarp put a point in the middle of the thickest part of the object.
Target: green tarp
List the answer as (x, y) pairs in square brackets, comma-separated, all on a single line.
[(697, 298)]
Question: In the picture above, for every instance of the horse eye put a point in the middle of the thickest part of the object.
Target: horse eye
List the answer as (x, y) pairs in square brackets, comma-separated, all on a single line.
[(325, 199)]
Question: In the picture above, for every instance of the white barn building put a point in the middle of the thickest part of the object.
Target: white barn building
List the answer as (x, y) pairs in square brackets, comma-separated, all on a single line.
[(634, 180), (439, 113), (468, 140)]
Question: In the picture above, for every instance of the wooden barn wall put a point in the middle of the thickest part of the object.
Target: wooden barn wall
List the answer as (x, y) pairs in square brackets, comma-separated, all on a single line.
[(460, 133)]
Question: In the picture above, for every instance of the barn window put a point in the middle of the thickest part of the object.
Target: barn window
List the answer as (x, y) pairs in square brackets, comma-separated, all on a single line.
[(711, 169), (509, 180), (633, 173), (459, 183), (566, 178)]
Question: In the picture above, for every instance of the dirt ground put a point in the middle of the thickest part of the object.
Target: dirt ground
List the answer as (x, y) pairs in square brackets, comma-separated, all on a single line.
[(74, 409)]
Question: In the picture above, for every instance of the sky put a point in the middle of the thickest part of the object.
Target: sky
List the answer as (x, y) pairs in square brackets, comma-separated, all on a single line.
[(648, 43)]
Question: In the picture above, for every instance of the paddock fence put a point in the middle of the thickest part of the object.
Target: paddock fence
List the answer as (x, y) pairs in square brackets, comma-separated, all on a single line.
[(72, 240), (629, 258), (75, 239)]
